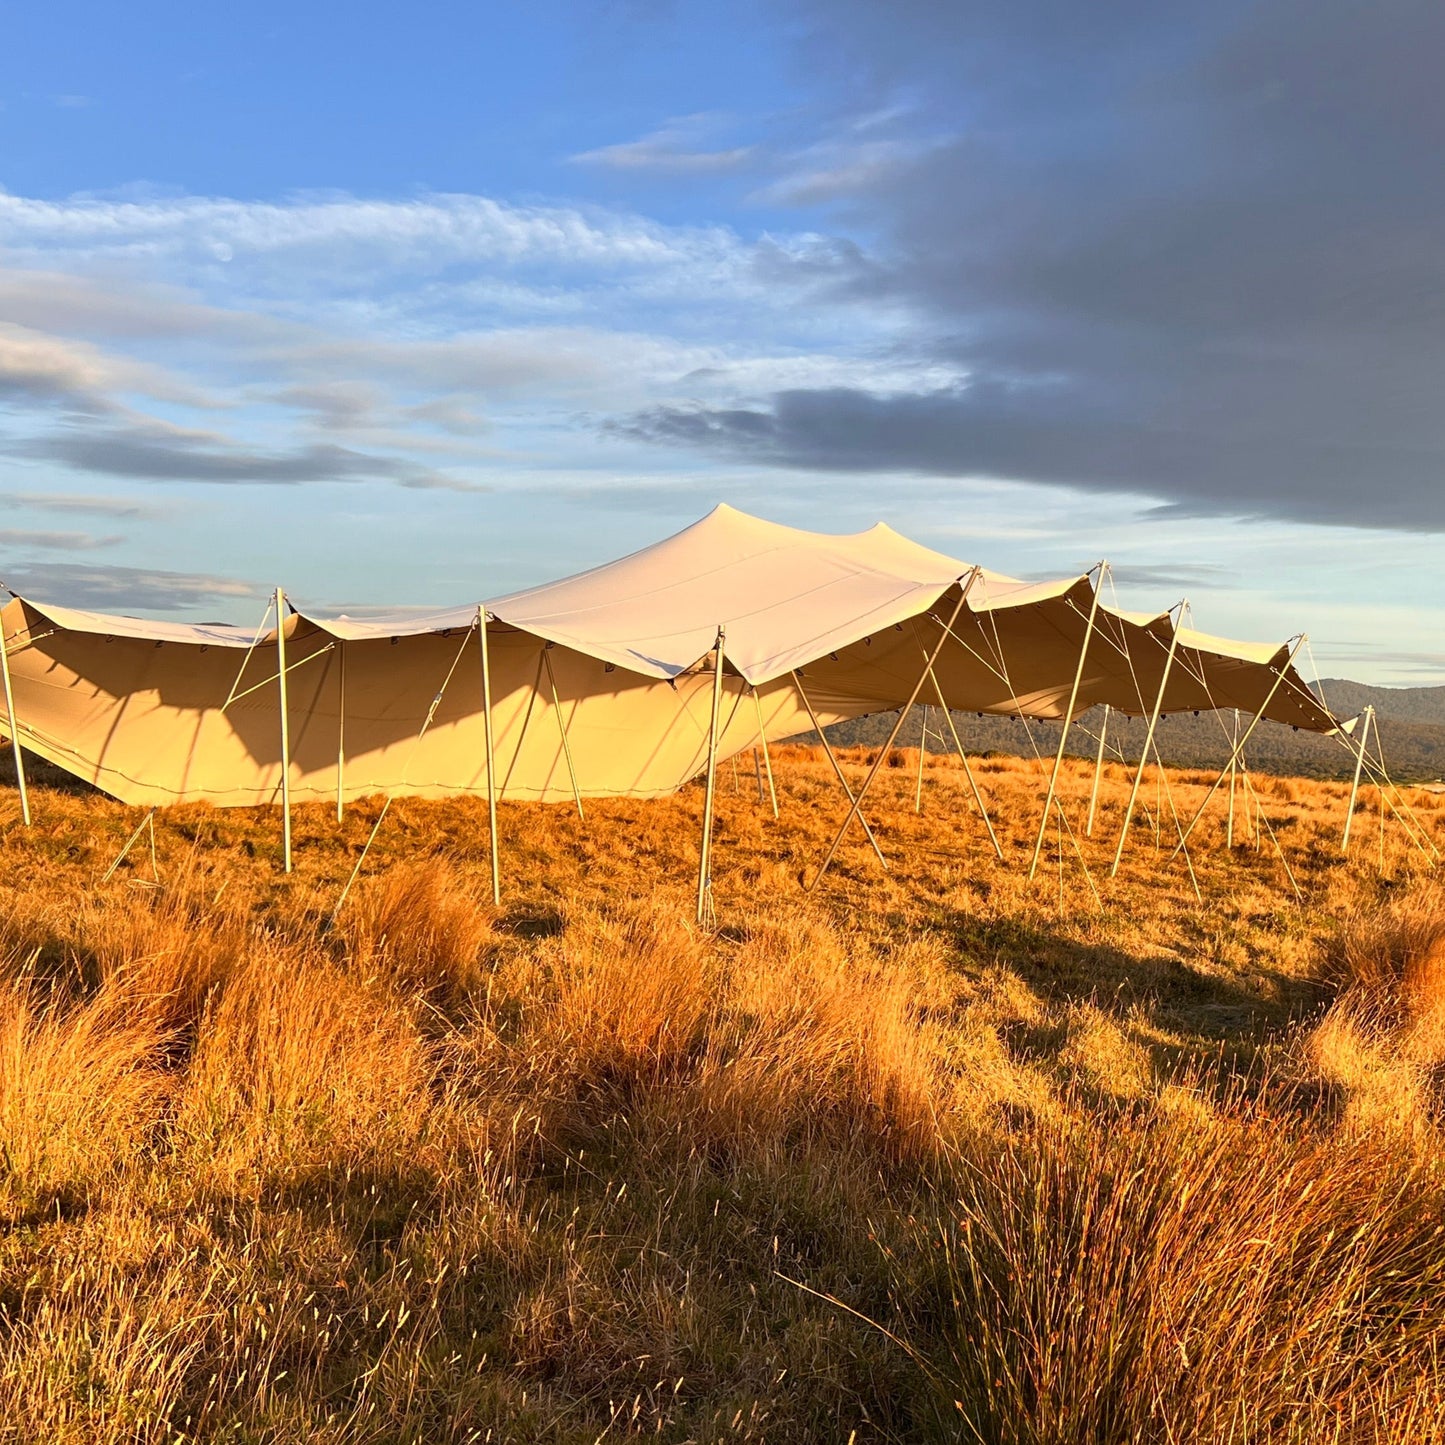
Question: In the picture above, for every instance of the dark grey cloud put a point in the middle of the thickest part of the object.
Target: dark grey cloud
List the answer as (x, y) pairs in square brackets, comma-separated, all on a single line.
[(111, 589), (146, 451), (1176, 574), (1185, 252)]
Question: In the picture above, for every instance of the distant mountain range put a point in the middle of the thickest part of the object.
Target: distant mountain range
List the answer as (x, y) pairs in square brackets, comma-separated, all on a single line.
[(1411, 727)]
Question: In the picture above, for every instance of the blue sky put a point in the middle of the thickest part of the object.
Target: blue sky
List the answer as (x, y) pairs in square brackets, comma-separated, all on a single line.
[(421, 304)]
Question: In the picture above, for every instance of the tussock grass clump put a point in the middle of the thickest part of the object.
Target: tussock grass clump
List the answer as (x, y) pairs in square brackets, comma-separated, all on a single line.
[(1158, 1277), (1383, 1040), (80, 1090), (1393, 946), (300, 1067), (418, 928), (784, 1033)]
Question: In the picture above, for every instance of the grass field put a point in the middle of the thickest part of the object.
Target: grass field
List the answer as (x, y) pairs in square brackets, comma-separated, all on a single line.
[(932, 1154)]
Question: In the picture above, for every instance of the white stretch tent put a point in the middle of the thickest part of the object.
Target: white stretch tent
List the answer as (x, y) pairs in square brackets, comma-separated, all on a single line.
[(601, 684)]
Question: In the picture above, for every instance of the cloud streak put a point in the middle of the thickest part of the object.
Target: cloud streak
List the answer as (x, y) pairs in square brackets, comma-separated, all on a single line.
[(110, 589)]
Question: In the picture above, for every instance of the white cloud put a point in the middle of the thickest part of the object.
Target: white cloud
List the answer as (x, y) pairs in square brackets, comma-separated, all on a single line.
[(47, 368), (672, 149), (417, 233), (55, 541)]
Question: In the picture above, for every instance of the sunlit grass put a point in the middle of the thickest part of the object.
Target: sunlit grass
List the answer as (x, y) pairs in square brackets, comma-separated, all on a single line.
[(931, 1153)]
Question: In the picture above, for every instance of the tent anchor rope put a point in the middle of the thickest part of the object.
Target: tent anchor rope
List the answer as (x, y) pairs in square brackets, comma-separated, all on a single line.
[(1068, 718), (1039, 759), (285, 730), (1364, 737), (705, 910), (1148, 743), (390, 797), (857, 803), (562, 728), (491, 757), (767, 760), (340, 730), (17, 752), (1098, 769), (130, 843), (1239, 746), (962, 756), (837, 766)]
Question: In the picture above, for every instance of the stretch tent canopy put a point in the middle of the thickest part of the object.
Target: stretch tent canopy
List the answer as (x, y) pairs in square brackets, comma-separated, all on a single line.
[(601, 684)]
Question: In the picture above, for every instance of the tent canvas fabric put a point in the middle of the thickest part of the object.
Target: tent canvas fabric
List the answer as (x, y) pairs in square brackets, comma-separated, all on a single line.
[(140, 708)]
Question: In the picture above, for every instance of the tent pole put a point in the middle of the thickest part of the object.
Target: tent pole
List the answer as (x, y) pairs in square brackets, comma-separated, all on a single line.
[(967, 771), (1355, 784), (1239, 746), (1148, 743), (491, 757), (1098, 769), (1068, 720), (767, 760), (285, 730), (704, 871), (562, 728), (922, 749), (340, 729), (14, 731), (1233, 767), (837, 766), (857, 805)]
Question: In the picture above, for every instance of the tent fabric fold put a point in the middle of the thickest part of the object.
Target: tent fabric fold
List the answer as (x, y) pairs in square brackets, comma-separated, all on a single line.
[(161, 712)]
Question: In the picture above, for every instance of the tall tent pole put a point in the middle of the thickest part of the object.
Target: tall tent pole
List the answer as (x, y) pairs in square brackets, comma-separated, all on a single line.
[(340, 729), (837, 766), (855, 810), (1367, 716), (285, 730), (1148, 742), (922, 749), (562, 728), (704, 870), (1068, 720), (14, 730), (1098, 769), (767, 761), (967, 771), (1233, 769), (491, 757), (1239, 746)]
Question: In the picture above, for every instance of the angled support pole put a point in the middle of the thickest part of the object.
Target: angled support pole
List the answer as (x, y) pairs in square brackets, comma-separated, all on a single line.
[(1367, 717), (857, 804), (704, 869), (1239, 746), (285, 730), (14, 730), (491, 756), (1098, 769), (1148, 744), (967, 771), (340, 730), (1068, 719), (837, 766), (767, 760), (562, 728)]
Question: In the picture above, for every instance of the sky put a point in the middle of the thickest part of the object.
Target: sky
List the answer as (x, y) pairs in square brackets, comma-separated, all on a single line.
[(421, 304)]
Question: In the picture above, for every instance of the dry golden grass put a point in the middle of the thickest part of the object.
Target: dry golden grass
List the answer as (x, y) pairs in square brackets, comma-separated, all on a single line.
[(937, 1153)]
